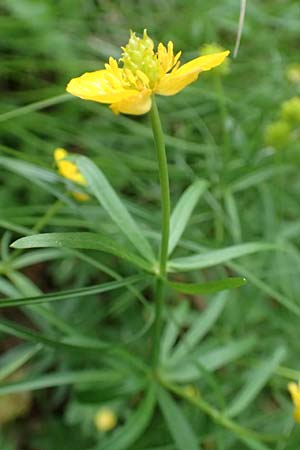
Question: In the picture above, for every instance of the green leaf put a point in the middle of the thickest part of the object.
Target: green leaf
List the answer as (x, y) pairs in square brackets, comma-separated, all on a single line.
[(124, 437), (70, 294), (172, 329), (107, 197), (183, 211), (210, 287), (15, 358), (188, 370), (76, 344), (35, 257), (200, 327), (182, 433), (84, 240), (214, 257), (103, 376), (257, 379)]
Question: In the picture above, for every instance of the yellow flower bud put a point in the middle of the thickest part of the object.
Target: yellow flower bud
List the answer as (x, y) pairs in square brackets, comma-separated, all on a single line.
[(278, 134), (293, 73), (192, 391), (290, 110), (105, 419)]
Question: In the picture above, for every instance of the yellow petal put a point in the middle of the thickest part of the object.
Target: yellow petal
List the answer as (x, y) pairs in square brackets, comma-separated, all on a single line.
[(137, 104), (99, 86), (178, 79), (67, 168), (80, 196), (294, 390)]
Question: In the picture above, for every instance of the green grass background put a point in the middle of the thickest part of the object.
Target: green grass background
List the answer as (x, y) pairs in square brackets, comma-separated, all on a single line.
[(214, 130)]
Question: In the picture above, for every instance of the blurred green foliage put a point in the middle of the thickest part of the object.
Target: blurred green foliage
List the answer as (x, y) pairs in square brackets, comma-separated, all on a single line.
[(239, 349)]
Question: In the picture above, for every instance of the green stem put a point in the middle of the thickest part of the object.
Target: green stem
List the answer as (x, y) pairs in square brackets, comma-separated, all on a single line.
[(165, 227), (218, 416)]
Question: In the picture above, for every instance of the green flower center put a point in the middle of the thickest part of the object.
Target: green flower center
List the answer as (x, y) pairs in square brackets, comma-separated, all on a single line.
[(138, 55)]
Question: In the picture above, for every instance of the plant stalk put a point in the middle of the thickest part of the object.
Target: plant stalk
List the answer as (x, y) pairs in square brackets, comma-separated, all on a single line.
[(165, 228)]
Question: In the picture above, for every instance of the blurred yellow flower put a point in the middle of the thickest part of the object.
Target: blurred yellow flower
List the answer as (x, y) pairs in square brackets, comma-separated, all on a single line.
[(105, 419), (294, 390), (70, 171), (278, 134), (17, 405), (293, 73), (144, 72), (290, 110)]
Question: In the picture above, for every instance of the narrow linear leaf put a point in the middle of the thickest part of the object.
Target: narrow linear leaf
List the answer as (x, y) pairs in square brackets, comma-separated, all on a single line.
[(214, 257), (188, 370), (257, 379), (124, 437), (172, 329), (259, 176), (70, 294), (59, 379), (71, 343), (110, 201), (182, 433), (35, 257), (183, 211), (84, 240), (22, 332), (16, 358), (200, 327), (282, 299), (210, 287)]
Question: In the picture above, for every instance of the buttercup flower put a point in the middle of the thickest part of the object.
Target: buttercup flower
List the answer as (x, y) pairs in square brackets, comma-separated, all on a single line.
[(144, 72), (294, 390), (70, 171), (105, 419)]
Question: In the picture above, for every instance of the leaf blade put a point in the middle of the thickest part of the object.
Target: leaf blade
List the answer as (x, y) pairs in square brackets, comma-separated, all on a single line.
[(215, 257), (182, 433), (82, 240), (183, 211), (210, 287), (111, 202)]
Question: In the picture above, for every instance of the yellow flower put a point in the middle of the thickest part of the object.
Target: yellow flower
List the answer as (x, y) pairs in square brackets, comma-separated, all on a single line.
[(144, 72), (70, 171), (294, 390), (105, 419)]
